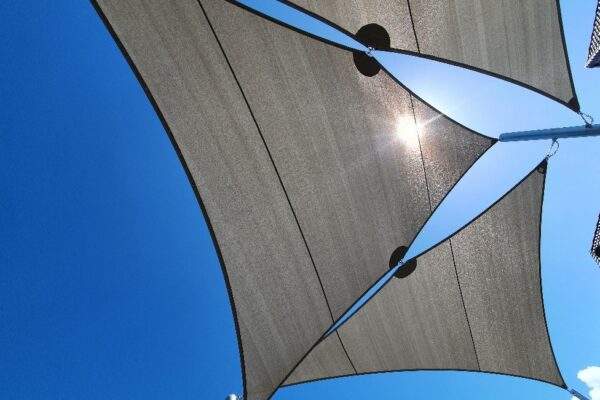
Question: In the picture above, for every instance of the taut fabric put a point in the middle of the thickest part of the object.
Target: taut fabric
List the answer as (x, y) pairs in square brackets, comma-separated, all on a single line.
[(473, 303), (520, 40), (309, 173)]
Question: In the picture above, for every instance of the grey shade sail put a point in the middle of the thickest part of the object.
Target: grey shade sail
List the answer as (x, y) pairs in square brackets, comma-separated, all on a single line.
[(271, 279), (358, 190), (473, 303), (307, 172), (520, 41)]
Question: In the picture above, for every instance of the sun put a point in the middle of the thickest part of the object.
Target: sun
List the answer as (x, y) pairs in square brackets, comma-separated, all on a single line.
[(407, 131)]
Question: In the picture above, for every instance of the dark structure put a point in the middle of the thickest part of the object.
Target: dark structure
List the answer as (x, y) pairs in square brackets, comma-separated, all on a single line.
[(595, 250), (594, 53)]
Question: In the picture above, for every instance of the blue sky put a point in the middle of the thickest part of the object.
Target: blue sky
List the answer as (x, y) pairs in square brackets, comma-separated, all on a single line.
[(109, 284)]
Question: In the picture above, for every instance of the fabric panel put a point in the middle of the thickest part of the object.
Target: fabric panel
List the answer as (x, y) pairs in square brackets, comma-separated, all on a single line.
[(324, 181), (419, 322), (416, 322), (358, 190), (497, 258), (448, 150), (273, 281), (517, 39), (352, 15)]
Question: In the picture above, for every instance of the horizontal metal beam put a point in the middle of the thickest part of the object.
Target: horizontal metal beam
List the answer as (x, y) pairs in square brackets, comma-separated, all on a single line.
[(553, 133)]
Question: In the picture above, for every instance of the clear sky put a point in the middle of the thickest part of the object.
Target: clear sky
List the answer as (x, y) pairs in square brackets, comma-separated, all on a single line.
[(110, 287)]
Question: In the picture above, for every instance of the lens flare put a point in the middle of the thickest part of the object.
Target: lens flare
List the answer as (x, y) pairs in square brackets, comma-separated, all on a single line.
[(407, 131)]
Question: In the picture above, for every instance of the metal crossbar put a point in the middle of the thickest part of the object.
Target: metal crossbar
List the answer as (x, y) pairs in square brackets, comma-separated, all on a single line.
[(553, 133)]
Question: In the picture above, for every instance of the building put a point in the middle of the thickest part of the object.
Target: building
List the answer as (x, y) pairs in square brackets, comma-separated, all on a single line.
[(594, 52)]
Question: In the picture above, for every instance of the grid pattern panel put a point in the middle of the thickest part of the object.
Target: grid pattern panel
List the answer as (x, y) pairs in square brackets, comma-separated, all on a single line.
[(594, 52), (595, 250)]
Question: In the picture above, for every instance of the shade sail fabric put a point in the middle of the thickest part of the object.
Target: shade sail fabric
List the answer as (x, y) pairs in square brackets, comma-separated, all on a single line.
[(308, 173), (417, 322), (519, 40), (473, 303), (357, 189), (267, 265)]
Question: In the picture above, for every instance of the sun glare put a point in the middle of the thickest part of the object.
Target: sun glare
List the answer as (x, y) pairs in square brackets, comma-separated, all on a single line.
[(407, 132)]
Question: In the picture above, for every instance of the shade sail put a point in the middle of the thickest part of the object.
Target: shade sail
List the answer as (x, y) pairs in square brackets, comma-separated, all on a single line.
[(266, 263), (473, 303), (309, 174), (344, 146), (518, 40)]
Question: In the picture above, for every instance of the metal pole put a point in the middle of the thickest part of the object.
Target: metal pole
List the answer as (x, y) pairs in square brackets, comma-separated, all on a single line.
[(553, 133), (577, 394)]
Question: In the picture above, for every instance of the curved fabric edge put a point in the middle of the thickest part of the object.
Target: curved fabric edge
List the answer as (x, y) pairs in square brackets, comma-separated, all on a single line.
[(543, 165), (416, 96), (424, 370), (167, 129), (293, 28), (572, 104)]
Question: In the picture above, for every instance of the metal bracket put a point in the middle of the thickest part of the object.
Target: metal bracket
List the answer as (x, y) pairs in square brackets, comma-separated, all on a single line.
[(553, 148), (587, 119)]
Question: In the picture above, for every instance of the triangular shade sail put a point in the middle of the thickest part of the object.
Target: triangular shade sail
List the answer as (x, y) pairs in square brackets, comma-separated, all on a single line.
[(473, 303), (308, 172), (518, 40)]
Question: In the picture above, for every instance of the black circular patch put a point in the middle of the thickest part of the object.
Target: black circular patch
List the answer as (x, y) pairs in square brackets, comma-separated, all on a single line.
[(407, 268), (376, 37), (597, 251)]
